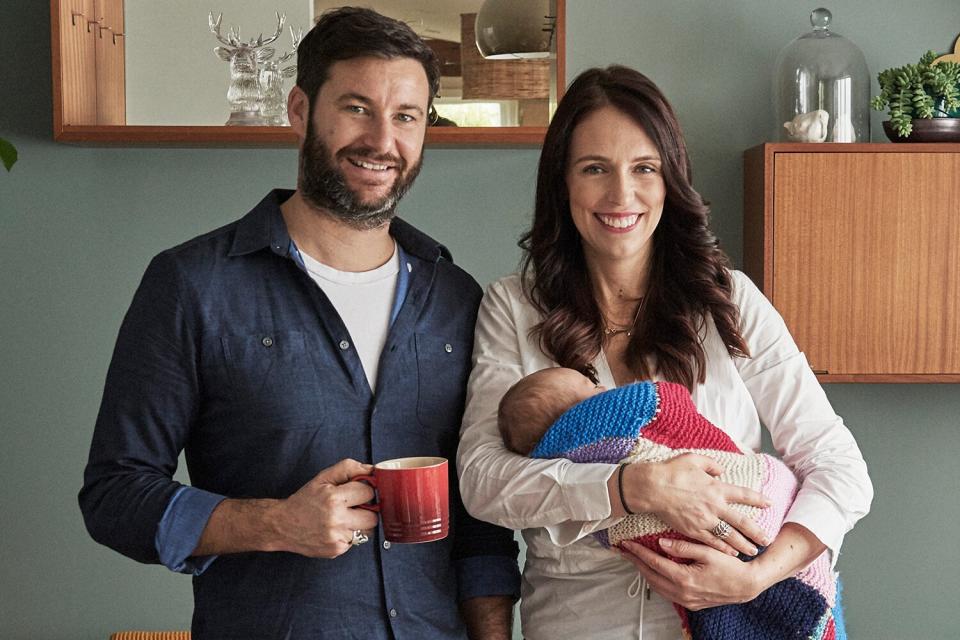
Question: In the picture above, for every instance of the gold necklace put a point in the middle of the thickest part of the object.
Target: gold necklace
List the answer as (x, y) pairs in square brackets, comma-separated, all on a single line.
[(609, 332)]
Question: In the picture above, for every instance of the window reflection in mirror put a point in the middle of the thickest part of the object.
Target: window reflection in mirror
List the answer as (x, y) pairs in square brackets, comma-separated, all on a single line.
[(173, 76), (474, 92)]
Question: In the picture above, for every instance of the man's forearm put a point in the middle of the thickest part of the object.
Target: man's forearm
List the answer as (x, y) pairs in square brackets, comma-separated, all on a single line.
[(488, 617), (317, 521), (238, 526)]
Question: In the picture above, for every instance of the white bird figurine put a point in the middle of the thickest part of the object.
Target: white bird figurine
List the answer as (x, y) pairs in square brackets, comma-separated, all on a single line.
[(808, 127)]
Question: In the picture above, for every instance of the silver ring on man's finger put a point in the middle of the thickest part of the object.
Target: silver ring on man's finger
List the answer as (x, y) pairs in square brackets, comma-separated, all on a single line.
[(359, 537), (722, 530)]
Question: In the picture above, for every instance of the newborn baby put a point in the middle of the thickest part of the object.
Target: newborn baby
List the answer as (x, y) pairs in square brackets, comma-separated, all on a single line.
[(560, 413)]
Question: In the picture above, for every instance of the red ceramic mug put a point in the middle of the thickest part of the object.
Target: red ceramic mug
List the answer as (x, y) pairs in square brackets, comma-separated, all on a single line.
[(412, 498)]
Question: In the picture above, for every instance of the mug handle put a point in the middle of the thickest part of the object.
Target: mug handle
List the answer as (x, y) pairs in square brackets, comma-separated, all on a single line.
[(372, 481)]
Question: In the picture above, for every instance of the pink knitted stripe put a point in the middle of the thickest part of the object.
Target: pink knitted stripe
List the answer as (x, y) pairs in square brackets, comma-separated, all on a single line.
[(821, 577), (780, 485)]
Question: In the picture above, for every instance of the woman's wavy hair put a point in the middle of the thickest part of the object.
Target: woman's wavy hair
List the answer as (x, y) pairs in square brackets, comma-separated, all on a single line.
[(689, 277)]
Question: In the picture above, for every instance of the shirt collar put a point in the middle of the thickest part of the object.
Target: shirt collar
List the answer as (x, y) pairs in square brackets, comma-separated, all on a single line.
[(264, 227)]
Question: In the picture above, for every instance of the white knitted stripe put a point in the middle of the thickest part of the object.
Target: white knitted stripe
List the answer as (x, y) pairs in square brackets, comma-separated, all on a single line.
[(741, 470)]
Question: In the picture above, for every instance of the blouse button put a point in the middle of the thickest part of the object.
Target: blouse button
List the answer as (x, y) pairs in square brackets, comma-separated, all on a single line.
[(267, 341), (344, 345), (448, 348)]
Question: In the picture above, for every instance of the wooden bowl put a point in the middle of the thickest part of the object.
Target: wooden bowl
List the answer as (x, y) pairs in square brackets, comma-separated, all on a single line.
[(928, 130)]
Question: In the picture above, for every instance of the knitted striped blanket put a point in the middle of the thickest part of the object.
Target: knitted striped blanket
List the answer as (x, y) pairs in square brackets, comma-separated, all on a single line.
[(656, 421)]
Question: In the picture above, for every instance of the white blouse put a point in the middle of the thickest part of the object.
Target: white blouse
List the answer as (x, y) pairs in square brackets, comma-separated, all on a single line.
[(573, 587)]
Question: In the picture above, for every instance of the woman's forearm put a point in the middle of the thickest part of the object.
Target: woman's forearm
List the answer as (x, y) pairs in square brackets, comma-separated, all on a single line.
[(794, 548)]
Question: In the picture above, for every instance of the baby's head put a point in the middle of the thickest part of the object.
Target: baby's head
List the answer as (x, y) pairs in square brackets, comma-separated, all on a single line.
[(534, 403)]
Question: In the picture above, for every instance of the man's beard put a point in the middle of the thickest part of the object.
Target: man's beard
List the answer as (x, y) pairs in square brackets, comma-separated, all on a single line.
[(323, 184)]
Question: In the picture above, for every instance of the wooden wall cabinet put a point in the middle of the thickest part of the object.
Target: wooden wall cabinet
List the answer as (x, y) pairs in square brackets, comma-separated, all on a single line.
[(858, 247)]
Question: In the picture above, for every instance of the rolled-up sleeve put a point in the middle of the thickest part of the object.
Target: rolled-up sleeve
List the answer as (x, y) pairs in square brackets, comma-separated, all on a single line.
[(149, 403), (569, 500), (180, 529), (835, 488)]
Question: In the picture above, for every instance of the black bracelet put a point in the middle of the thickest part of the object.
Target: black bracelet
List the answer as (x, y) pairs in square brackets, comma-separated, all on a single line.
[(620, 488)]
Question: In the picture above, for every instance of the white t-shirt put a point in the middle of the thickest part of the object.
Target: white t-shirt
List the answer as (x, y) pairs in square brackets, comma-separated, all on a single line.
[(573, 587), (364, 301)]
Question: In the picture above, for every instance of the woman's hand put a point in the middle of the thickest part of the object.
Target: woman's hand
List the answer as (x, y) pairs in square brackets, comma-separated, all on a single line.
[(712, 579), (685, 493)]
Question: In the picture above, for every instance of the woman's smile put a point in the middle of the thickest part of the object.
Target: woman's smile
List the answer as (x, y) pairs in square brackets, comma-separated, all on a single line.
[(618, 222)]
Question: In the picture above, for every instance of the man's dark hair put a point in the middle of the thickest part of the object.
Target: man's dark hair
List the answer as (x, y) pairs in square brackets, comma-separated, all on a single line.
[(355, 32)]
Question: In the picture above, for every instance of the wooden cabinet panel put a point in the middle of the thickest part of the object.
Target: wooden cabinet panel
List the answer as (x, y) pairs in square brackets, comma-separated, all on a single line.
[(92, 74), (79, 70), (858, 247), (111, 71)]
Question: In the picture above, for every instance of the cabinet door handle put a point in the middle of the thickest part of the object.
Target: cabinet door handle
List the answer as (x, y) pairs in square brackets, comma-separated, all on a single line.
[(820, 372)]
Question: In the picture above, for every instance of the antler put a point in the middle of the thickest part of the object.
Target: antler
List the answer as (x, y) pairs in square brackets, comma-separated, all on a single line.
[(215, 29), (280, 20), (296, 37)]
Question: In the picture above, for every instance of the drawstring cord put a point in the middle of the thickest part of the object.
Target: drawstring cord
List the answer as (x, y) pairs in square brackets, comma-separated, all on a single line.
[(639, 585)]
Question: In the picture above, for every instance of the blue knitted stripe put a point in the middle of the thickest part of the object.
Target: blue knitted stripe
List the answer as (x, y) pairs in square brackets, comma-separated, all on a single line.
[(618, 413), (788, 609), (840, 625)]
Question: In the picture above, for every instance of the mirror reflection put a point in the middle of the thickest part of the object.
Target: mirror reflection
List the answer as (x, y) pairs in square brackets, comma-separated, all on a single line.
[(163, 58)]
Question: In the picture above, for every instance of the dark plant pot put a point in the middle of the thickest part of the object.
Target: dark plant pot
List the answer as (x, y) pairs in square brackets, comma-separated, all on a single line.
[(932, 130)]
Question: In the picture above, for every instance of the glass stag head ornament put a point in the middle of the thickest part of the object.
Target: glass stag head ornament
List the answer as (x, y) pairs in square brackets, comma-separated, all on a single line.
[(273, 102), (255, 82)]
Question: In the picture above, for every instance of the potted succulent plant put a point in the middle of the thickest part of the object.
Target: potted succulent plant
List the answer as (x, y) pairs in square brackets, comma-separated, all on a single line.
[(923, 100), (8, 154)]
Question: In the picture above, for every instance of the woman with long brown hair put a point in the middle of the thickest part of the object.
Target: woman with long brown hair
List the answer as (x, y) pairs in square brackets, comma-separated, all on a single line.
[(622, 280)]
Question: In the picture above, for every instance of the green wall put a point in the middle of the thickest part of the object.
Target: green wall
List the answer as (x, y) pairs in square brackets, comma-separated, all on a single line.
[(78, 225)]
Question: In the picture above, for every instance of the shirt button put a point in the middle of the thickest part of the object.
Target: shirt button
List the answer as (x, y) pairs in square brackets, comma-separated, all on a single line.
[(386, 544), (448, 348), (393, 613), (344, 345), (267, 341)]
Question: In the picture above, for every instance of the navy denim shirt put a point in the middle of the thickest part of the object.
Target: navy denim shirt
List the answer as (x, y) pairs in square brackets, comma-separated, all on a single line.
[(231, 353)]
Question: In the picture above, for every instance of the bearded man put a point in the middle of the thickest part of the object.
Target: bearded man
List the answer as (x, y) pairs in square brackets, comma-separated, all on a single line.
[(317, 331)]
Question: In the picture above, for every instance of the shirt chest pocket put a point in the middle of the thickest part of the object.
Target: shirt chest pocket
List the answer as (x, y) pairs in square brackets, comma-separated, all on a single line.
[(274, 381), (442, 368)]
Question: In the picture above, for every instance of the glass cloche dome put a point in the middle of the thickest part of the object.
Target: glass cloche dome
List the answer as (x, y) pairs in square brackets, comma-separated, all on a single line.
[(821, 87)]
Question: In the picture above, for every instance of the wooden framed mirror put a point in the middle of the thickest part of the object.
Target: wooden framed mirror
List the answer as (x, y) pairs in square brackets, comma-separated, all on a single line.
[(171, 91)]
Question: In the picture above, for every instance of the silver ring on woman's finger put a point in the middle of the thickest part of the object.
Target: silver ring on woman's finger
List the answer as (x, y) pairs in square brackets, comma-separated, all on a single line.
[(359, 537), (722, 530)]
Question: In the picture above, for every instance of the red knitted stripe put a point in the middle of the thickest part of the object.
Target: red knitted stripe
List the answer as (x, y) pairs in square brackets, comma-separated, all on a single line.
[(652, 542), (684, 620), (678, 425), (831, 632)]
